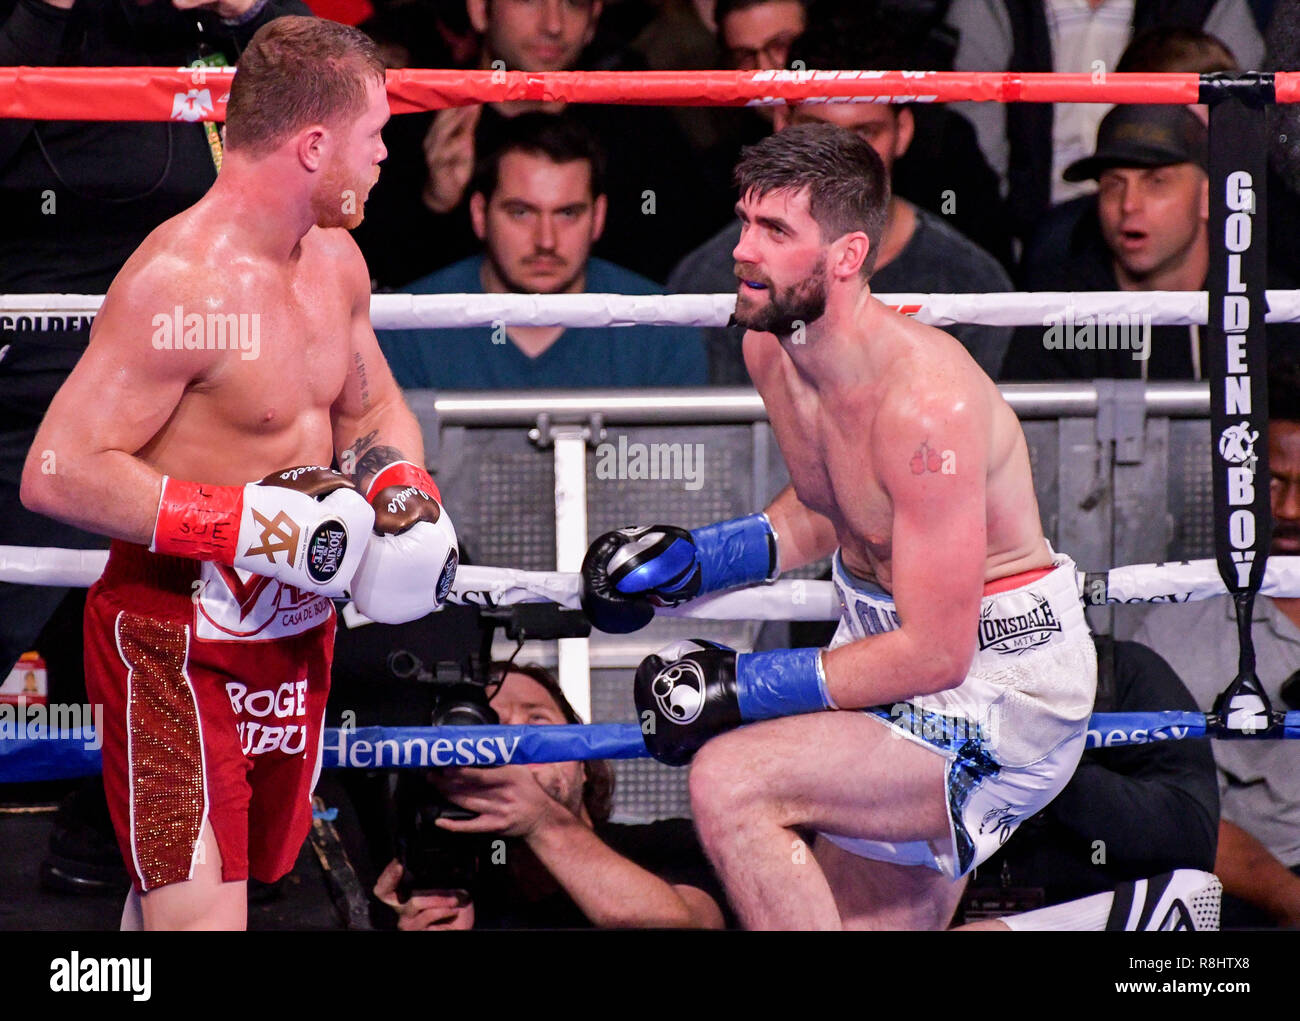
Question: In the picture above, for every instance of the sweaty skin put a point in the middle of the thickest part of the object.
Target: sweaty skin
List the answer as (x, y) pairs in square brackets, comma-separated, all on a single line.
[(858, 402), (131, 412), (266, 241), (903, 453)]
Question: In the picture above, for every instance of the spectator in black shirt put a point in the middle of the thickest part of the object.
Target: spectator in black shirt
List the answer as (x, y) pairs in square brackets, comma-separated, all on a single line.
[(1146, 231), (566, 865)]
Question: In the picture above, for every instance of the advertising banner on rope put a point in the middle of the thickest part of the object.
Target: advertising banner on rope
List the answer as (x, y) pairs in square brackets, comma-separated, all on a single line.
[(1237, 356)]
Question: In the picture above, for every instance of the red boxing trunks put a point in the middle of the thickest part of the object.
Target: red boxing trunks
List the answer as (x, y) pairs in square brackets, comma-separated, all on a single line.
[(213, 684)]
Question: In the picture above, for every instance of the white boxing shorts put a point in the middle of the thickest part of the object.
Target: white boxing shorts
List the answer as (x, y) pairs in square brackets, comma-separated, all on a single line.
[(1011, 732)]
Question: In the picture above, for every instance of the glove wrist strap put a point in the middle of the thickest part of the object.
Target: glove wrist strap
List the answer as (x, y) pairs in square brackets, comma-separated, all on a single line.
[(783, 682), (198, 521), (741, 551), (403, 473)]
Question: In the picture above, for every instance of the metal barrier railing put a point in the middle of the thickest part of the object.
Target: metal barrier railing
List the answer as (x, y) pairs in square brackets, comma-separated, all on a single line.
[(717, 405), (572, 422)]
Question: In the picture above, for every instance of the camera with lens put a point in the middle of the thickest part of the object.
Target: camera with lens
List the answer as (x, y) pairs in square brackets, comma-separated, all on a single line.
[(433, 858)]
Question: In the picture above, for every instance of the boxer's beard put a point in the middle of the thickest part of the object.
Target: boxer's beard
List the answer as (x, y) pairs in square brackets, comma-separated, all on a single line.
[(341, 201), (785, 311)]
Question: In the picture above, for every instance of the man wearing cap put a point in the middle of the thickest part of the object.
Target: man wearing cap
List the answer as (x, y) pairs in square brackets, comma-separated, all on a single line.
[(1147, 232)]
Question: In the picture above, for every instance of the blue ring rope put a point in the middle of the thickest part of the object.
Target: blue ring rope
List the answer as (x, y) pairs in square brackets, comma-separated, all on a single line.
[(29, 756)]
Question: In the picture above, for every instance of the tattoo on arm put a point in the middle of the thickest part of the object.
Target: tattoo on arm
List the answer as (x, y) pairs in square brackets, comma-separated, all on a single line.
[(932, 459), (363, 382), (363, 461)]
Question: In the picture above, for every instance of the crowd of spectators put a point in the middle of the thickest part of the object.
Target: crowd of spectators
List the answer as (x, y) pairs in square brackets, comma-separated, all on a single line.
[(988, 196)]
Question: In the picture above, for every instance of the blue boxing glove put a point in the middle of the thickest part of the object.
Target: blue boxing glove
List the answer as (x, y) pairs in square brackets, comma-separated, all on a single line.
[(694, 690), (627, 573)]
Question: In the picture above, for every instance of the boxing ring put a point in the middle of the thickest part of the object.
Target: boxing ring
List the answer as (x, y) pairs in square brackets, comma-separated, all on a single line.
[(1128, 419)]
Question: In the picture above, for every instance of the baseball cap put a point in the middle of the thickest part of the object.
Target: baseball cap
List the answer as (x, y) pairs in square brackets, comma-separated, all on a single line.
[(1140, 135)]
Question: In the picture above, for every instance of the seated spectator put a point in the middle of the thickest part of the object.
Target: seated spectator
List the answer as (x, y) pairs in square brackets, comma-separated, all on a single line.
[(417, 217), (1148, 234), (751, 35), (1029, 144), (537, 205), (1157, 50), (676, 38), (919, 252), (1259, 782), (422, 34), (566, 865), (757, 35), (1129, 812)]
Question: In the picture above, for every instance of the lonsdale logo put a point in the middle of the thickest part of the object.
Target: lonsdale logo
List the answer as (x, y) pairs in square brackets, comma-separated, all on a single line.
[(1019, 632)]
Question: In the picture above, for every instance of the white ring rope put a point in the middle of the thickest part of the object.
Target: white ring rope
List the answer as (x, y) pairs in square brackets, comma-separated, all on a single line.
[(1187, 581), (1012, 308)]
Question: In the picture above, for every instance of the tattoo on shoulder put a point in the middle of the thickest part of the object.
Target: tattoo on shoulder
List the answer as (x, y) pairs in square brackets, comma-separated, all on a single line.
[(932, 459)]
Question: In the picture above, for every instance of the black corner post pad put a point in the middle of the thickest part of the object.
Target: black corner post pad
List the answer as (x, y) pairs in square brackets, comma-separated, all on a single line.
[(1253, 88), (1236, 361)]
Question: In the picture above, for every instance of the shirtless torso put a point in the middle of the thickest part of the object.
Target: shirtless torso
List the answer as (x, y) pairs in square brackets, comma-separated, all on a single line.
[(306, 383), (241, 417), (961, 674), (234, 344), (833, 441)]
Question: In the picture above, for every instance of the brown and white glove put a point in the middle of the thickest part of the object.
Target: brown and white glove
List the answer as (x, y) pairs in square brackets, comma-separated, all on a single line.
[(306, 526), (411, 558)]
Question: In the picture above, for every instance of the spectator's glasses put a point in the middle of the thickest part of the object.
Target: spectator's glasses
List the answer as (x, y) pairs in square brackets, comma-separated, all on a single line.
[(771, 54)]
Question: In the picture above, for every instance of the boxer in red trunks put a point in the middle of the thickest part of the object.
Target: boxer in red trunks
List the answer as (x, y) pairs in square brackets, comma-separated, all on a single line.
[(236, 344)]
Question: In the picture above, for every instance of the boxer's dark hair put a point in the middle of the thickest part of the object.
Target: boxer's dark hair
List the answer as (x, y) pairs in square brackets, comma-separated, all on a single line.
[(848, 189), (294, 72), (1284, 390), (558, 137), (598, 785)]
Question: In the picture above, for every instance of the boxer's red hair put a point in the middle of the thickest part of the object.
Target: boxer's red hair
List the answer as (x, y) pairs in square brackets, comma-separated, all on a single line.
[(295, 72)]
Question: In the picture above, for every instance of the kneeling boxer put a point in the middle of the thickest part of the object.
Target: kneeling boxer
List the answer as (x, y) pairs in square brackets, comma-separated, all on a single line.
[(209, 637), (961, 678)]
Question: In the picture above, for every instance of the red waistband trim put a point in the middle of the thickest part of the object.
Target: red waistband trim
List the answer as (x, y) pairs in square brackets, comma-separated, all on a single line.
[(992, 588)]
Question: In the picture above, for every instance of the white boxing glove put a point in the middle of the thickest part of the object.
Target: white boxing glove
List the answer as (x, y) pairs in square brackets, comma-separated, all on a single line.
[(307, 527), (411, 558)]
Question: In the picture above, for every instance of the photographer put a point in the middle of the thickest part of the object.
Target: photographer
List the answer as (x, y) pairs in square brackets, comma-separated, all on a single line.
[(564, 865)]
